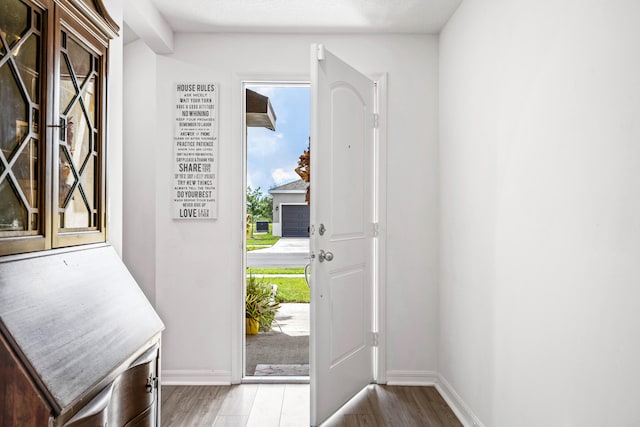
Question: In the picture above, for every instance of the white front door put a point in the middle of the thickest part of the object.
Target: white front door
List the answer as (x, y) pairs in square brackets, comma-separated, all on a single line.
[(342, 215)]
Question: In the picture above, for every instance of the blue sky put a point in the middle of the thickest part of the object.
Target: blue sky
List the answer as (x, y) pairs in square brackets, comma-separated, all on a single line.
[(273, 156)]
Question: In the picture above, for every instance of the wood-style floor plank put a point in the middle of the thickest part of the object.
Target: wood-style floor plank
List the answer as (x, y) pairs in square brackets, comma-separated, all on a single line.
[(359, 420), (295, 406), (193, 406), (239, 400), (231, 421), (281, 405), (267, 406)]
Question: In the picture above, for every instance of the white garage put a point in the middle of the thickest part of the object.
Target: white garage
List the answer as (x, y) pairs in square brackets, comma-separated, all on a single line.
[(290, 211)]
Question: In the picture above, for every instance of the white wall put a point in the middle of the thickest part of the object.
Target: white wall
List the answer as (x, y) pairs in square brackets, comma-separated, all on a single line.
[(139, 196), (286, 198), (540, 211), (114, 131), (197, 265)]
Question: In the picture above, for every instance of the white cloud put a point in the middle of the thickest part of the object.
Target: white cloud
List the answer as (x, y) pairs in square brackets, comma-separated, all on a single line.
[(258, 178), (281, 176), (261, 144)]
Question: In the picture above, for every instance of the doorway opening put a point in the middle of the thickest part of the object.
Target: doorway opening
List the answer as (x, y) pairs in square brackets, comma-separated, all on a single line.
[(276, 293)]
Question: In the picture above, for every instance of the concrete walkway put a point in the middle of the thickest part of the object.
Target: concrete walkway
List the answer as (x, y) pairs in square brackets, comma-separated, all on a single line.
[(287, 245), (281, 352), (293, 319), (287, 252)]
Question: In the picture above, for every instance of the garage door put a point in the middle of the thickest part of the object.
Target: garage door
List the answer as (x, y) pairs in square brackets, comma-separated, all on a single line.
[(295, 220)]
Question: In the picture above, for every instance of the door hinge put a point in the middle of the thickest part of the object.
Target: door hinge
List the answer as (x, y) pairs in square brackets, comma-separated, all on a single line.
[(376, 120), (320, 52), (375, 338), (375, 229)]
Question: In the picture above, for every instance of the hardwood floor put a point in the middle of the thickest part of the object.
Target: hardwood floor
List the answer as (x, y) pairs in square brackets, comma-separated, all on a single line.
[(287, 405)]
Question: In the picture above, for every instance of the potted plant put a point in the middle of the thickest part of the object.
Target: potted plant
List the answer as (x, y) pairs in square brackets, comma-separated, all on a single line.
[(260, 306)]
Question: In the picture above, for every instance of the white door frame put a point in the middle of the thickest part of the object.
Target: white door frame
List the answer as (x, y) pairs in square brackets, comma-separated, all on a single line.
[(380, 250)]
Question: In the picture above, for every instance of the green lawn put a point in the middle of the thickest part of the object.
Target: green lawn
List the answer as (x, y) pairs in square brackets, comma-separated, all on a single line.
[(294, 270), (290, 289), (261, 240)]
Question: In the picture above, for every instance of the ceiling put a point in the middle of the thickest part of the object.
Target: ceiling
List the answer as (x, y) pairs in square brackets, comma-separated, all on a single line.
[(307, 16)]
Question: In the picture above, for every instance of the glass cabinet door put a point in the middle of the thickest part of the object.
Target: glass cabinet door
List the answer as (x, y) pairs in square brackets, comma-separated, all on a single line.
[(53, 75), (21, 162), (79, 142)]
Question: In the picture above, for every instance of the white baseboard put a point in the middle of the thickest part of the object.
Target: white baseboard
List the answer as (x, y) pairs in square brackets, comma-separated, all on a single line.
[(457, 405), (418, 378), (431, 378), (195, 377)]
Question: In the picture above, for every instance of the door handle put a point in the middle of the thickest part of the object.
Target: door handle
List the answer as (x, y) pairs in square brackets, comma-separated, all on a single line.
[(322, 256)]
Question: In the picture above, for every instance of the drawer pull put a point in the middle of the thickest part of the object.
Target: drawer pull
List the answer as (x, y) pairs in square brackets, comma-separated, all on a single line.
[(152, 383)]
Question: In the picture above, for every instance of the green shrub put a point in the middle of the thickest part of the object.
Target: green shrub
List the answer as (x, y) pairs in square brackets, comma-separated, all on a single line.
[(260, 303)]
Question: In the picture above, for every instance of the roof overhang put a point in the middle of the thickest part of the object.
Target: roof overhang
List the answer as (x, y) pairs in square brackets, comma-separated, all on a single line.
[(259, 111)]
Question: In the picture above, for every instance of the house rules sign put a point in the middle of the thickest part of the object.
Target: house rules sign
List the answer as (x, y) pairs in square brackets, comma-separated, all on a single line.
[(195, 148)]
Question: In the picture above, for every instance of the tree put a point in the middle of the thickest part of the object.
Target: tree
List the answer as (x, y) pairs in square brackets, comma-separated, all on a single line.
[(304, 169), (259, 205)]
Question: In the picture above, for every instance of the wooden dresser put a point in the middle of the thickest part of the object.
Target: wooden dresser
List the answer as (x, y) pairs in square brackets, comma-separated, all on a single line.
[(79, 342)]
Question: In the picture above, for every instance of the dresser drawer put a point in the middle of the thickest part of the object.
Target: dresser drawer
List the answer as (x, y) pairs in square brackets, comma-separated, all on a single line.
[(135, 390), (130, 400)]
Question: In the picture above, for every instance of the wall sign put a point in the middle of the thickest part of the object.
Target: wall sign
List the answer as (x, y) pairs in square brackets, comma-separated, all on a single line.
[(195, 141)]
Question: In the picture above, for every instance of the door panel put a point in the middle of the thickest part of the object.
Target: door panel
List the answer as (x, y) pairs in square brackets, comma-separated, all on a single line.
[(347, 214), (342, 147), (348, 323)]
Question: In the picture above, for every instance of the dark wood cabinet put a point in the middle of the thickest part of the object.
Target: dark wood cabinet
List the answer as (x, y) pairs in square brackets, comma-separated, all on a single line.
[(131, 399), (79, 342), (54, 57), (18, 392)]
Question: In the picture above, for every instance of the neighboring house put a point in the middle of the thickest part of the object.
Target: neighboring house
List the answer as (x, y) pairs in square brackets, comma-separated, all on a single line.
[(290, 211)]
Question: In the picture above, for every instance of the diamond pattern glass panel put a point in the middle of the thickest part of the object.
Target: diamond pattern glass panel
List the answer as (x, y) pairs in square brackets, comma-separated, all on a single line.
[(25, 170), (80, 59), (14, 20), (65, 178), (78, 136), (28, 60), (14, 112), (88, 182), (35, 116), (67, 90), (76, 214), (78, 201), (13, 214), (26, 41), (89, 98)]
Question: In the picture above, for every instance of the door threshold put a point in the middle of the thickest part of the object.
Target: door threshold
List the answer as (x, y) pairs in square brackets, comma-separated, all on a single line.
[(276, 380)]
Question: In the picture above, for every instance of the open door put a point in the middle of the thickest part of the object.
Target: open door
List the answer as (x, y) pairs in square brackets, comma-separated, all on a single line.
[(342, 232)]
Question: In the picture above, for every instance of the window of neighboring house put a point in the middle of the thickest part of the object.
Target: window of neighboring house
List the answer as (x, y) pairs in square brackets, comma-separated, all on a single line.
[(52, 145)]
